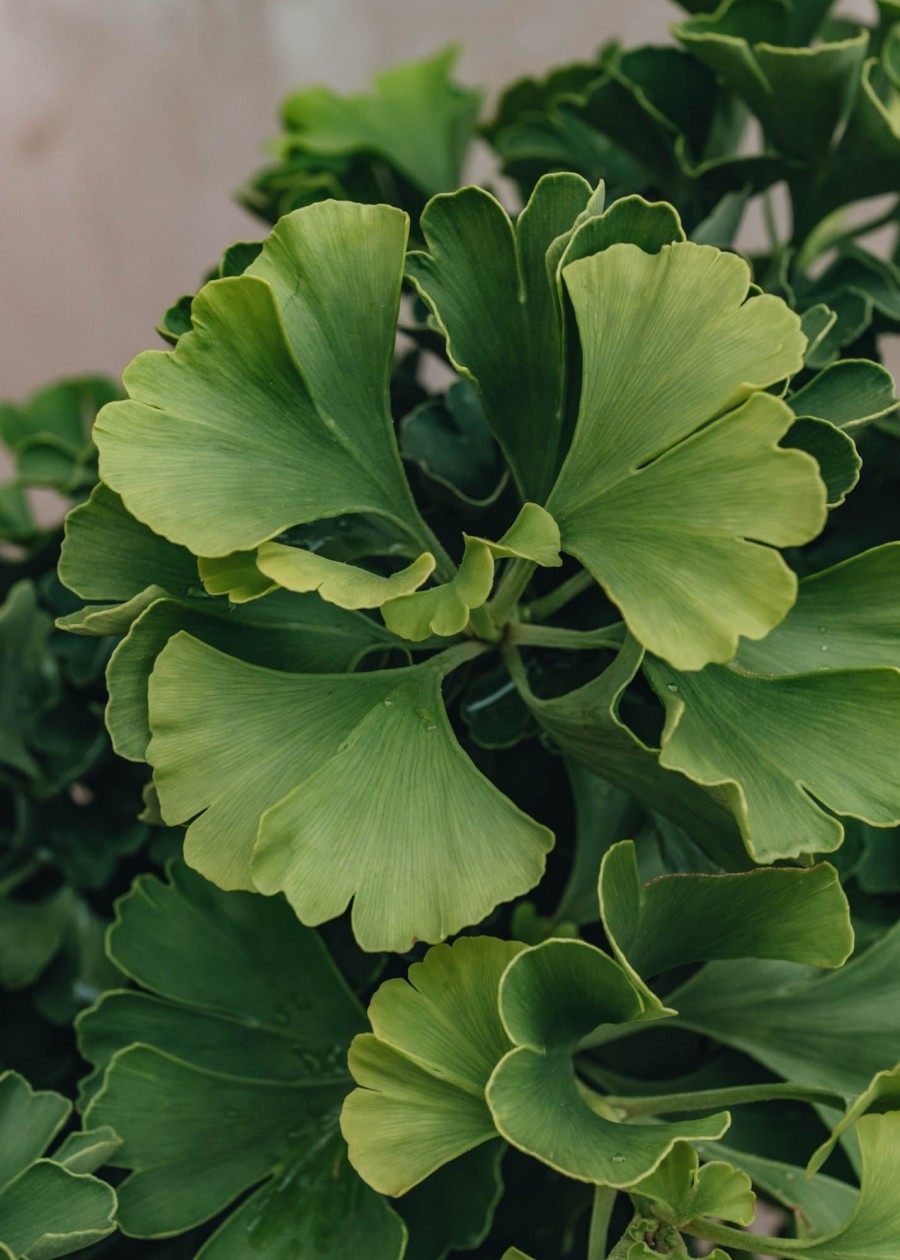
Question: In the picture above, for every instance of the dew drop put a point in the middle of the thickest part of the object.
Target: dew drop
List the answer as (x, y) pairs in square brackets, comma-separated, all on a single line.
[(822, 629), (388, 703), (431, 727), (671, 686), (618, 1159), (824, 647)]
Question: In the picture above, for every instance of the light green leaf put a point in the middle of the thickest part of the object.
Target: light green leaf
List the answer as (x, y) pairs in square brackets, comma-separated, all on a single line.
[(870, 1232), (445, 609), (343, 584), (280, 768), (285, 373), (646, 501), (242, 1055), (681, 1191), (800, 915), (553, 997), (832, 1031), (882, 1094), (284, 631), (423, 1069), (46, 1208), (487, 284), (845, 617), (416, 117), (819, 1203), (533, 535), (236, 576), (749, 736), (849, 393)]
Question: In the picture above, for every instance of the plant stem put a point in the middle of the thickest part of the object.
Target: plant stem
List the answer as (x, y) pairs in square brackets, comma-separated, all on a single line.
[(483, 626), (753, 1244), (601, 1212), (703, 1099), (509, 591), (526, 635), (546, 605)]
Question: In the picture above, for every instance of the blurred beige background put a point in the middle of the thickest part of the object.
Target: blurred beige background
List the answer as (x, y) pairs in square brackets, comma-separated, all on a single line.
[(126, 125)]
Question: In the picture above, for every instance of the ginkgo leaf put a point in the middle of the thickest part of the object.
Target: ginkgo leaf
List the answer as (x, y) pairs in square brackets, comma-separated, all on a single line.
[(533, 535), (833, 450), (586, 725), (849, 394), (819, 1203), (820, 669), (236, 575), (108, 555), (50, 1205), (552, 998), (882, 1094), (280, 768), (445, 609), (674, 468), (845, 617), (680, 1190), (748, 735), (286, 373), (800, 915), (800, 94), (422, 1071), (416, 117), (283, 631), (487, 283), (243, 1055), (831, 1031), (869, 1233), (346, 585)]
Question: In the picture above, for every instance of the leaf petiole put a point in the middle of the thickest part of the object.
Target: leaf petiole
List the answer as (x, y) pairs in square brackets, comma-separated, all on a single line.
[(715, 1099), (546, 605)]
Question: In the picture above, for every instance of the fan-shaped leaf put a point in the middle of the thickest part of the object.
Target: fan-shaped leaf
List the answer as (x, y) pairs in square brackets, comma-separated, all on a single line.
[(552, 998), (644, 499), (285, 372), (281, 767), (423, 1069), (241, 1056)]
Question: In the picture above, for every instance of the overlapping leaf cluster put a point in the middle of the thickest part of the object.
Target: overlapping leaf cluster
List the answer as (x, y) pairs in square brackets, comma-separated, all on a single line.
[(69, 808), (589, 661)]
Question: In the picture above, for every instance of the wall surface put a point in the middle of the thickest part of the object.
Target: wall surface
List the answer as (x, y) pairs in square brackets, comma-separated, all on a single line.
[(125, 126)]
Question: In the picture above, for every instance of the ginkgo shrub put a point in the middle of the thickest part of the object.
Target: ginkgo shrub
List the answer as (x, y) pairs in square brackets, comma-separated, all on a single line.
[(534, 737)]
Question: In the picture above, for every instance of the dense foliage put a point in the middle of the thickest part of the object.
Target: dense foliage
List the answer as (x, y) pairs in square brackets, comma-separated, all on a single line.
[(525, 581)]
